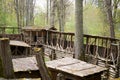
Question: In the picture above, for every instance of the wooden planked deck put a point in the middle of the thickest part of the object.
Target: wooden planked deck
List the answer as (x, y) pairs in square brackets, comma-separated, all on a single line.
[(24, 64), (68, 65), (74, 67)]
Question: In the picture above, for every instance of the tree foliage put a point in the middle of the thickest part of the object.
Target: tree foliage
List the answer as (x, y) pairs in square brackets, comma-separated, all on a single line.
[(24, 12), (19, 13)]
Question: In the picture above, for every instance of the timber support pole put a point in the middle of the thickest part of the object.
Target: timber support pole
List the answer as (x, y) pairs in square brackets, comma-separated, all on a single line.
[(41, 64), (6, 65)]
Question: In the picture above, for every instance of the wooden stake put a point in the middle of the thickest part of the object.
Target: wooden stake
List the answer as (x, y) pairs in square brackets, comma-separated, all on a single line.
[(6, 66), (41, 64)]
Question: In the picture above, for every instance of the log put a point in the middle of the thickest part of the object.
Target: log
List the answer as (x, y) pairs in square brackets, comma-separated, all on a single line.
[(53, 54), (6, 66), (41, 64)]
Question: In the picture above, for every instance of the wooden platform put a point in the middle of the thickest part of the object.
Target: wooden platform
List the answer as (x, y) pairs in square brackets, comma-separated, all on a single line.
[(75, 68), (69, 66), (19, 43), (25, 64)]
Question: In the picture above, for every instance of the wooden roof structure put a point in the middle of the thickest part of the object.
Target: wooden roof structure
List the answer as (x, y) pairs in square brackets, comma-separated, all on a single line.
[(19, 43)]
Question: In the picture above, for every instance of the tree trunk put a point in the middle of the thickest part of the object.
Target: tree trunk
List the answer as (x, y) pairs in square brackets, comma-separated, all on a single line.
[(24, 12), (58, 14), (116, 2), (61, 14), (110, 17), (47, 14), (17, 13), (52, 13), (79, 45), (115, 8)]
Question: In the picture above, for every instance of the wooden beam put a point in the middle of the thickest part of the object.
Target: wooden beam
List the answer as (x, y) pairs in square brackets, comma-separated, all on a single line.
[(6, 66), (41, 64)]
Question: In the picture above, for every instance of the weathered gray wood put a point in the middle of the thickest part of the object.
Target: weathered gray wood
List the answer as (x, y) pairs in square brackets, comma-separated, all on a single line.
[(25, 64), (53, 54), (6, 66), (41, 64), (79, 41), (74, 67)]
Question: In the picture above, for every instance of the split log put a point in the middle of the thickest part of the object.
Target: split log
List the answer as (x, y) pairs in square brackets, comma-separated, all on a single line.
[(6, 66)]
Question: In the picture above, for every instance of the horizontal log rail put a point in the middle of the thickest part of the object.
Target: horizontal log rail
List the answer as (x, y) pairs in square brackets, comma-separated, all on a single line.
[(9, 30), (85, 35), (104, 47)]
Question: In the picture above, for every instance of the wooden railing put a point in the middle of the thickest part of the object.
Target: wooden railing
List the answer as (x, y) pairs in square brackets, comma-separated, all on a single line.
[(99, 50), (60, 41), (9, 30), (93, 44)]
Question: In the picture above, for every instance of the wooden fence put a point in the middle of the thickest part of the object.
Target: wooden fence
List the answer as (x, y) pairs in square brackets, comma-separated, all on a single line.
[(9, 30), (102, 51)]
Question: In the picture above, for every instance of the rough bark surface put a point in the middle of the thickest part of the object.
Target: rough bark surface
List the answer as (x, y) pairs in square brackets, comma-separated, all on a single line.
[(5, 59), (109, 17), (52, 13), (79, 47)]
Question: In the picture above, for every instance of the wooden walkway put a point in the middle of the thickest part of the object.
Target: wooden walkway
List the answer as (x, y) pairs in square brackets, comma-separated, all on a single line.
[(75, 67), (66, 65)]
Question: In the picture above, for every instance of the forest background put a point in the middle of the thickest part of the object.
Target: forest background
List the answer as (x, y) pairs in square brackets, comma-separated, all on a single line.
[(21, 13)]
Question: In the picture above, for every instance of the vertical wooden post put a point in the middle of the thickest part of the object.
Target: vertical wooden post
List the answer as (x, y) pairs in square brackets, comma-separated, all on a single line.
[(13, 30), (118, 62), (3, 32), (30, 37), (26, 51), (30, 41), (53, 54), (41, 64), (6, 66)]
